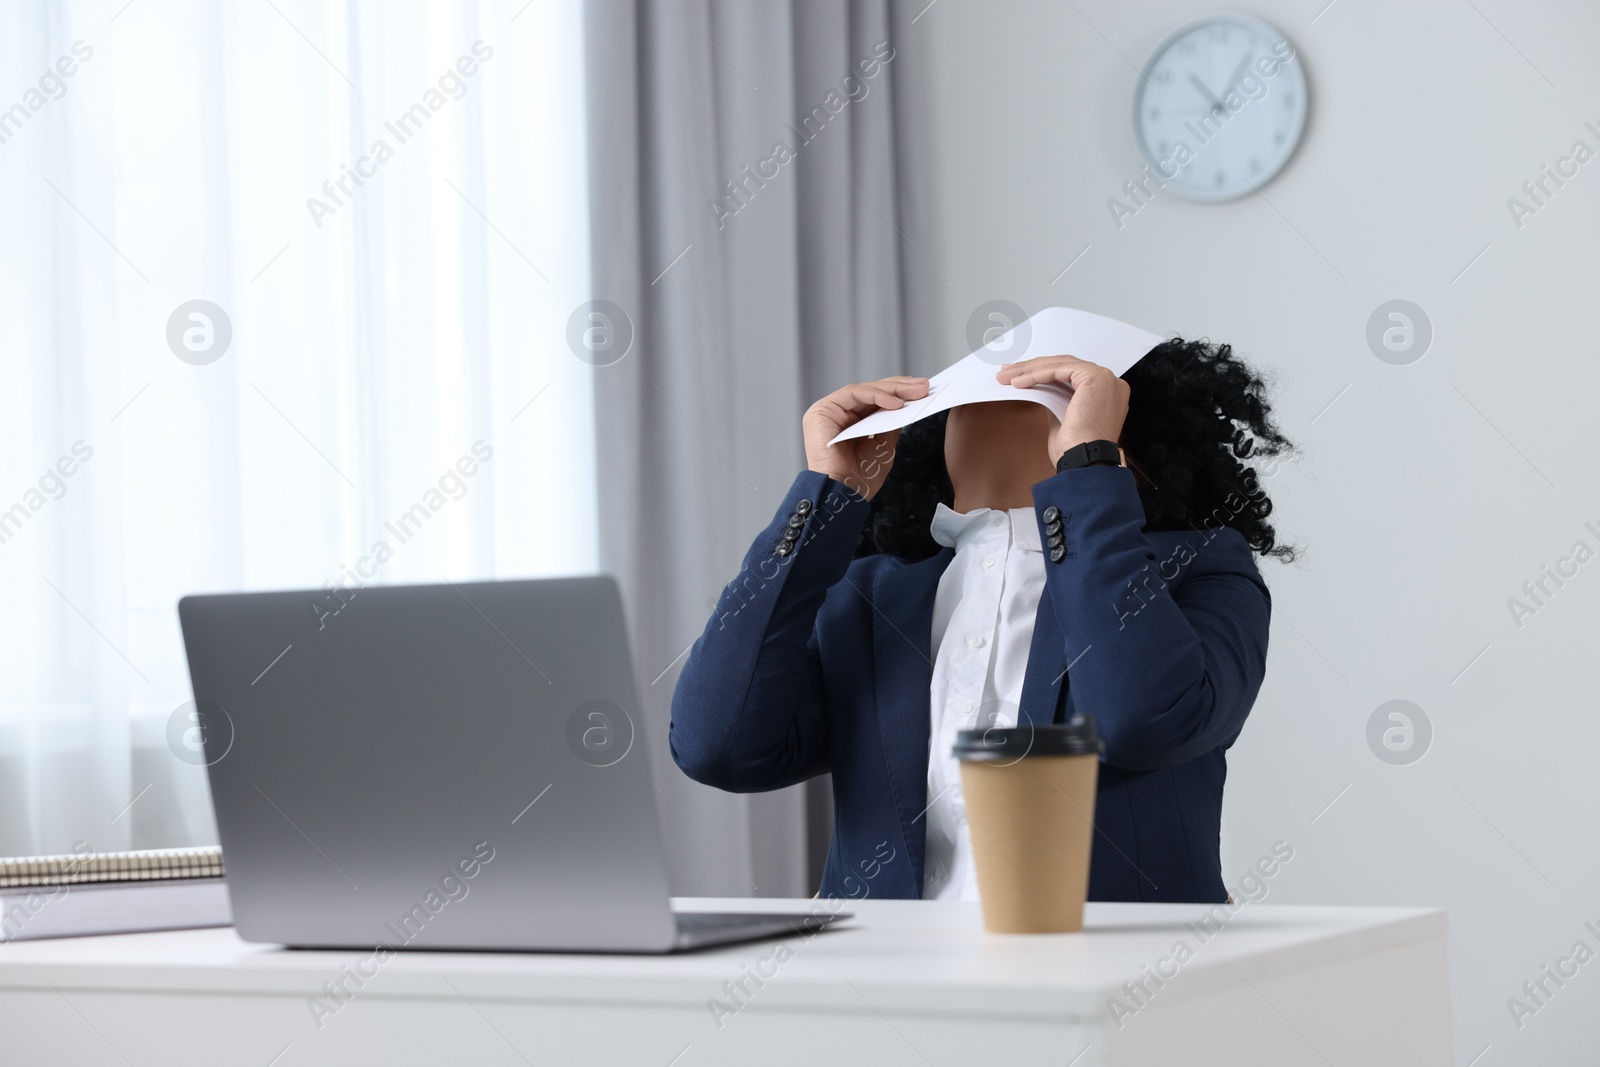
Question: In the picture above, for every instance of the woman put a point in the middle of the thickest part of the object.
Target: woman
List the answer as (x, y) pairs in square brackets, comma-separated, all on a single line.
[(1100, 564)]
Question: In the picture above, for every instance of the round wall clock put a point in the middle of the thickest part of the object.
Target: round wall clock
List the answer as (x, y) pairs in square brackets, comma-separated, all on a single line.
[(1220, 107)]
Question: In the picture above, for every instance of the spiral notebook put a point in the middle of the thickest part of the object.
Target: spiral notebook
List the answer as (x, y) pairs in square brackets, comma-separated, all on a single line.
[(112, 893)]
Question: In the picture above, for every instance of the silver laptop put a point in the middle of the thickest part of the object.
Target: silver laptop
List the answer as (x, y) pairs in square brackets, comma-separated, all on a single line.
[(439, 767)]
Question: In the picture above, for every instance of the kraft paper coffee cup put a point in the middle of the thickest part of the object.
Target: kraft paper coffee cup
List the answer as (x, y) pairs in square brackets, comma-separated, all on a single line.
[(1030, 812)]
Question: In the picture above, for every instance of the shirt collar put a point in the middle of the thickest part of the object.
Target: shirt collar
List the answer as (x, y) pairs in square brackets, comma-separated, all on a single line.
[(954, 529)]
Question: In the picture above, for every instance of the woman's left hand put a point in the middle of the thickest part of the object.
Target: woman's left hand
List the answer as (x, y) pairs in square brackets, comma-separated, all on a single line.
[(1099, 398)]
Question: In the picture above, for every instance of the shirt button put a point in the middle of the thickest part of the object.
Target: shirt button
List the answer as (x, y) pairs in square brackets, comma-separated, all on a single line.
[(968, 707), (988, 561), (974, 641), (998, 520)]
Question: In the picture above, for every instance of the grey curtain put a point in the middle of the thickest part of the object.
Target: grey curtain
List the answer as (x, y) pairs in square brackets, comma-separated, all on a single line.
[(748, 214)]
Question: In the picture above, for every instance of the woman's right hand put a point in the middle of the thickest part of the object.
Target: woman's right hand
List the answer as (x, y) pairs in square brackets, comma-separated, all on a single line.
[(862, 463)]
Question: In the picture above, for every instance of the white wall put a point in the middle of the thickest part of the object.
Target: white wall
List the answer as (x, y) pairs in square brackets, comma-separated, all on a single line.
[(1427, 494)]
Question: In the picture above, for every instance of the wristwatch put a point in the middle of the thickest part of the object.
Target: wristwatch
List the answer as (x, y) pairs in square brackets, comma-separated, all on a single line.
[(1089, 454)]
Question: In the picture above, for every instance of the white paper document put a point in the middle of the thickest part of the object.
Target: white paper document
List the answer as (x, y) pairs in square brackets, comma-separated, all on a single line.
[(1052, 332)]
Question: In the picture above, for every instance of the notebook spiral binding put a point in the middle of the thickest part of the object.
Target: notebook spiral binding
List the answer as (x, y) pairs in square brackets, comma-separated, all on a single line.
[(138, 866)]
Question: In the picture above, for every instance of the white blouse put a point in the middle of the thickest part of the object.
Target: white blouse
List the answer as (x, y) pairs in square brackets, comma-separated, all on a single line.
[(983, 614)]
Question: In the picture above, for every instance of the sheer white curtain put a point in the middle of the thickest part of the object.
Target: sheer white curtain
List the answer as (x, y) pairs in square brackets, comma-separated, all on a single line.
[(387, 203)]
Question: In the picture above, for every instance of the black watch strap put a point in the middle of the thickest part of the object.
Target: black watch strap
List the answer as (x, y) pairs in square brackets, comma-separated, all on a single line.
[(1090, 453)]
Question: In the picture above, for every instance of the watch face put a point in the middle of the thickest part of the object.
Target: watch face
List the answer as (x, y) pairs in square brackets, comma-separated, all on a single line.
[(1220, 107)]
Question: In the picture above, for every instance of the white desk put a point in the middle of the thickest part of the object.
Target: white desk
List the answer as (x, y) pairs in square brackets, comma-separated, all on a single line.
[(912, 983)]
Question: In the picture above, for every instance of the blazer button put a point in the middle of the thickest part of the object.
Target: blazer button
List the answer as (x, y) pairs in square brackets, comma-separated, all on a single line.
[(803, 507), (1052, 514), (784, 548), (1056, 539), (790, 536), (1058, 553), (796, 521)]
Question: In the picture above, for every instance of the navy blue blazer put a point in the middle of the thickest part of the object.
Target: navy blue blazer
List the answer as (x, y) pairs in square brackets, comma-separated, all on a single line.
[(814, 663)]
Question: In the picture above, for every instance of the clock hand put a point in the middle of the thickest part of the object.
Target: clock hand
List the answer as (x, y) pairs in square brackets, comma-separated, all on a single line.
[(1238, 72), (1194, 80)]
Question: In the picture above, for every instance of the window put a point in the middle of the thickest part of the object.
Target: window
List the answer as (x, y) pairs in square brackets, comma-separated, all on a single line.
[(282, 283)]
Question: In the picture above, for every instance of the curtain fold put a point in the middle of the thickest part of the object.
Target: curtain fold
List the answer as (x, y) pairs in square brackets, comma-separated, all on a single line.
[(745, 206)]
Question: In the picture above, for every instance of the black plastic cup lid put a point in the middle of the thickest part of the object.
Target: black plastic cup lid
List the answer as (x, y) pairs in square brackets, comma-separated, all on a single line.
[(1076, 737)]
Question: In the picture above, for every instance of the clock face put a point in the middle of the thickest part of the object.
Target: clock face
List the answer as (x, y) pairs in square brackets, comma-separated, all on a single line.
[(1220, 107)]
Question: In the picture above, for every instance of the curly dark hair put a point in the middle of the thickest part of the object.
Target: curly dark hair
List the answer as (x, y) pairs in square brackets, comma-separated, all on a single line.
[(1196, 412)]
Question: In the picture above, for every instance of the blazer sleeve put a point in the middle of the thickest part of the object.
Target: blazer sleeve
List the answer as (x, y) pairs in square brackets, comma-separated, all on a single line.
[(1167, 653), (748, 712)]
